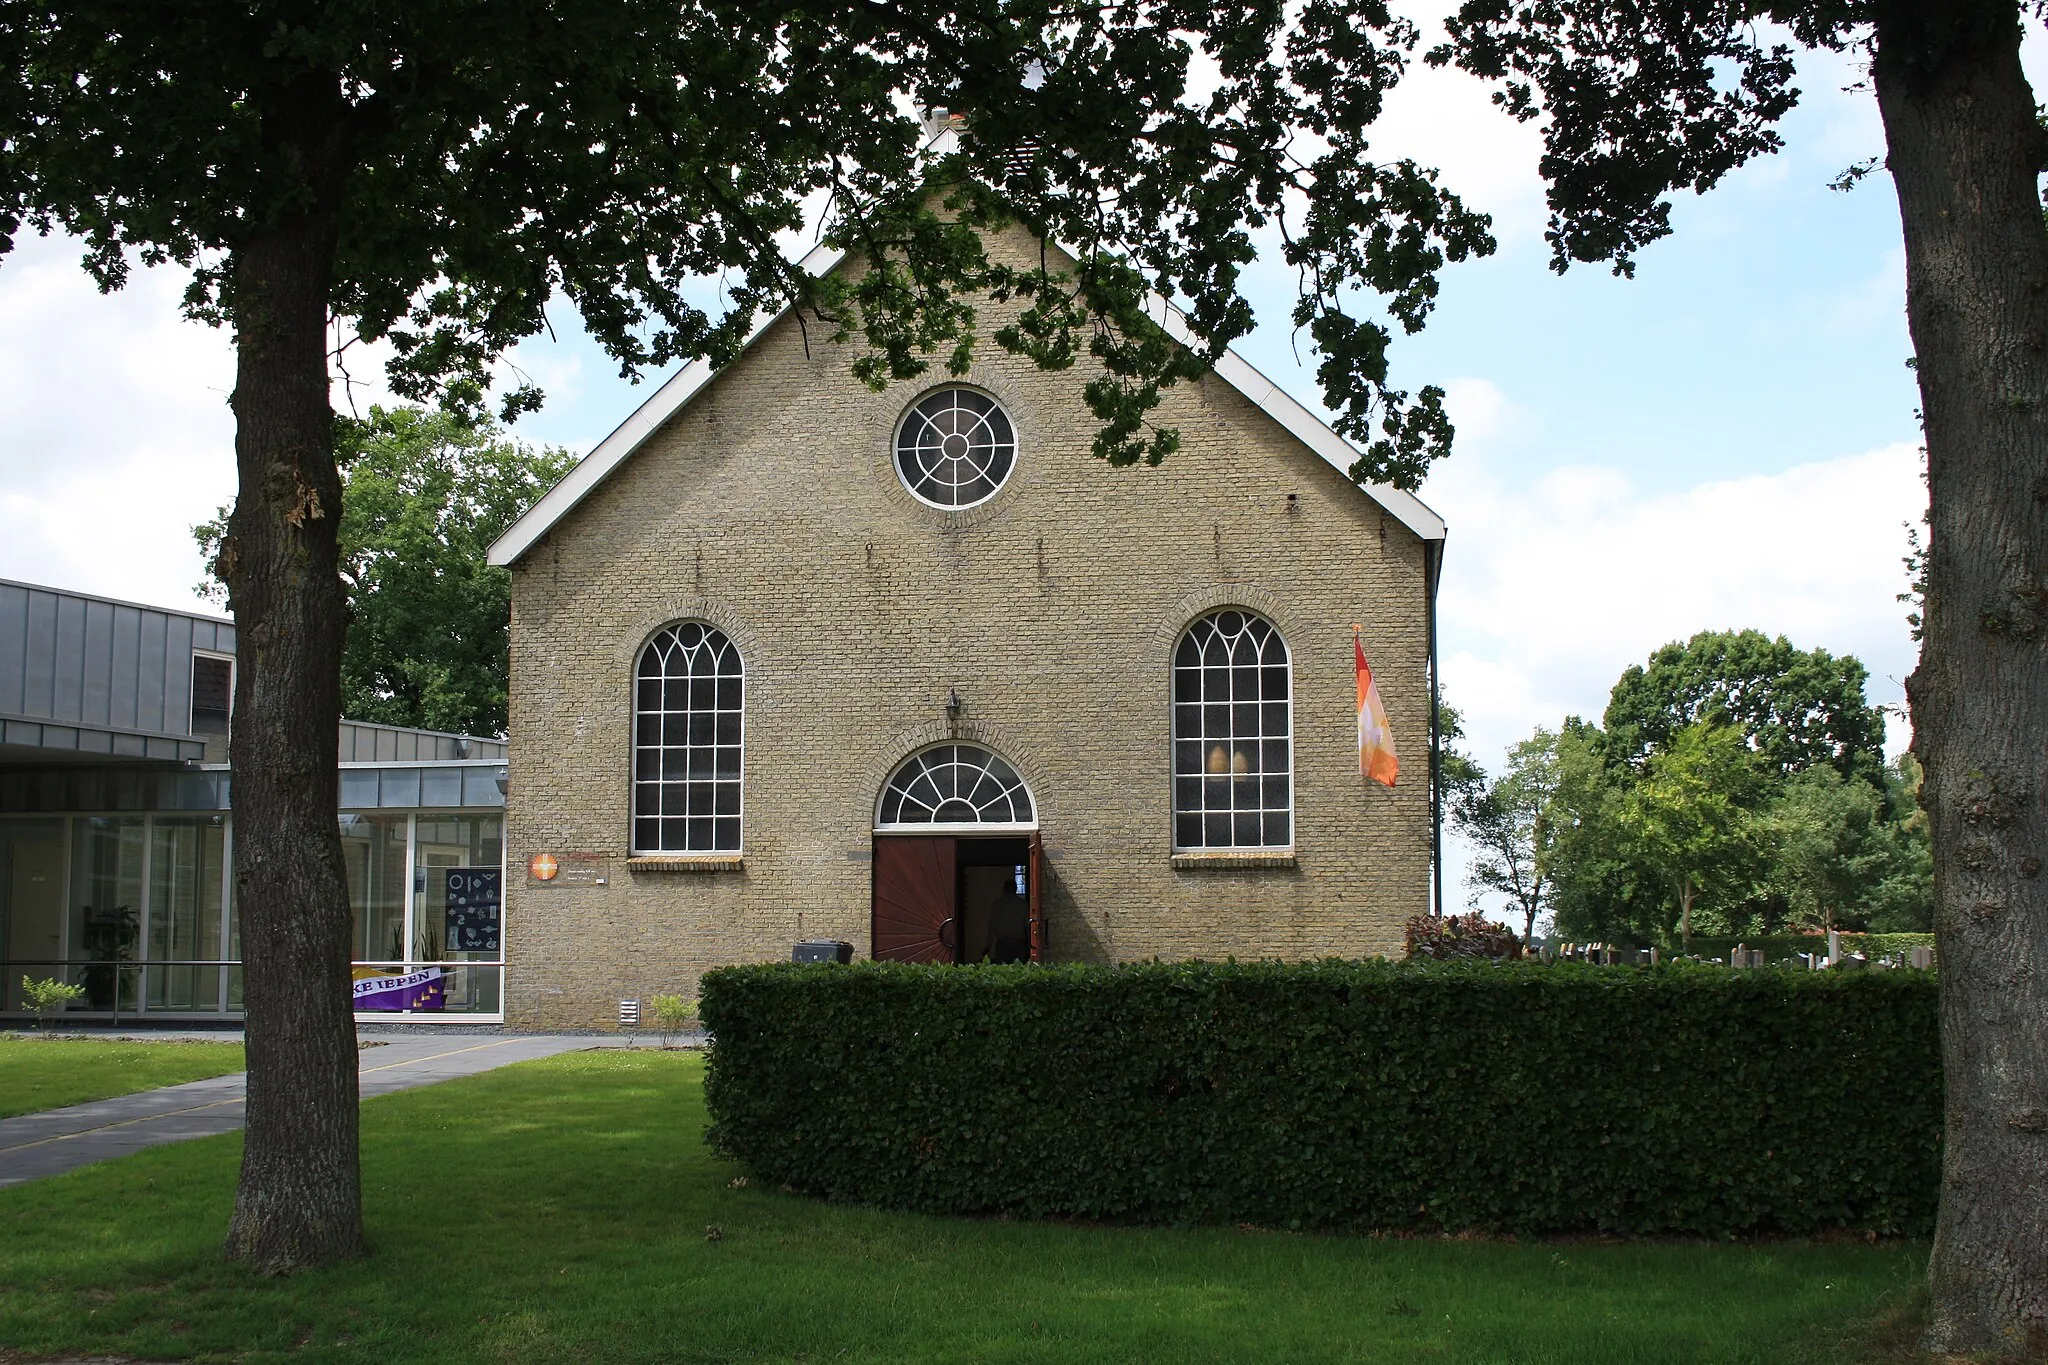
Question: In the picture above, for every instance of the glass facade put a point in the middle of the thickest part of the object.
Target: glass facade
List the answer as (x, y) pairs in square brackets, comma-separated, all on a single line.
[(31, 904), (138, 910), (373, 851), (427, 891), (106, 907), (188, 881)]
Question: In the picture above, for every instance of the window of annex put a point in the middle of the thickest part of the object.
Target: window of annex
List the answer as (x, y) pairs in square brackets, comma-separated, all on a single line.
[(1233, 735), (687, 735), (955, 786), (955, 449)]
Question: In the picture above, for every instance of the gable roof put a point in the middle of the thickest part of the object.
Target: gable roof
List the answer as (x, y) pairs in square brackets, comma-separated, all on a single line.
[(666, 401)]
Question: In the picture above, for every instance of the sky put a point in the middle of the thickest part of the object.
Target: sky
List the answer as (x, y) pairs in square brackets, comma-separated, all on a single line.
[(1728, 440)]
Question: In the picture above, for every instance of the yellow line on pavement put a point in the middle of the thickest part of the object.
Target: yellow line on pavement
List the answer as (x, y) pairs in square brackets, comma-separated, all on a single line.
[(120, 1123), (437, 1056), (238, 1099)]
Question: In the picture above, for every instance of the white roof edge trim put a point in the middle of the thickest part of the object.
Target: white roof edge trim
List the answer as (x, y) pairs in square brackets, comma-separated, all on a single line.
[(629, 436), (1311, 430), (682, 386)]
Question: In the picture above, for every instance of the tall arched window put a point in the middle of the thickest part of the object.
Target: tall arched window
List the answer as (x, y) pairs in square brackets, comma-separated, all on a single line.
[(1233, 735), (686, 742)]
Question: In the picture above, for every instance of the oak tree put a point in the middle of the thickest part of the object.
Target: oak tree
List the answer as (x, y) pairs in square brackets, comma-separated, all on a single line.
[(423, 496), (1642, 98), (1796, 708), (1690, 819), (432, 174)]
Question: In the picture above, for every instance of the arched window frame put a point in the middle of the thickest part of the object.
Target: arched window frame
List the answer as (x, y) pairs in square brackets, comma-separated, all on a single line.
[(722, 740), (953, 826), (1208, 783)]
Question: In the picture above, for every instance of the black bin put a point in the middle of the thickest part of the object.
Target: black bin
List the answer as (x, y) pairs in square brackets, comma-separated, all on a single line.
[(822, 950)]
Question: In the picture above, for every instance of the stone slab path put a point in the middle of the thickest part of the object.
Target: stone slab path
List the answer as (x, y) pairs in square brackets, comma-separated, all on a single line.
[(57, 1140)]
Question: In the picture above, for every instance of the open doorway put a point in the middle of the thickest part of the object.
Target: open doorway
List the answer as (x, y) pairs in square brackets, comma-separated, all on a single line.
[(952, 898), (957, 861)]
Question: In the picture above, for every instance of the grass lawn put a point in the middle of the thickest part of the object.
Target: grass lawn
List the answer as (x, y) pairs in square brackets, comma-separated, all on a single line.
[(558, 1211), (38, 1073)]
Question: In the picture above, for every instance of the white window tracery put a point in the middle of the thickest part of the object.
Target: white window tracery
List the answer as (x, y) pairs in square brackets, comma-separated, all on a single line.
[(955, 449), (1233, 735), (688, 732), (952, 785)]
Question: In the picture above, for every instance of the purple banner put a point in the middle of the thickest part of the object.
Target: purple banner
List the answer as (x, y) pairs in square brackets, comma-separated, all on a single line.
[(378, 990)]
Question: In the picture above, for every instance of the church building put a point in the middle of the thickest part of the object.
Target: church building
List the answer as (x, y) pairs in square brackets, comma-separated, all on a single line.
[(796, 660)]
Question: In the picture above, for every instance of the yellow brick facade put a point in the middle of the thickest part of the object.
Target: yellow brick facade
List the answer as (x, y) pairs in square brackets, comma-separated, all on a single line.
[(770, 506)]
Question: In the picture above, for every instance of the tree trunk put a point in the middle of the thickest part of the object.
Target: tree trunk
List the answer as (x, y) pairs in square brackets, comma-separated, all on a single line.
[(299, 1203), (1965, 152), (1685, 894)]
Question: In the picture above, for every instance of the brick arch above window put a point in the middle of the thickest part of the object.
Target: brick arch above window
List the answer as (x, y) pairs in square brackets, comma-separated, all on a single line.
[(644, 626), (1248, 596), (957, 784)]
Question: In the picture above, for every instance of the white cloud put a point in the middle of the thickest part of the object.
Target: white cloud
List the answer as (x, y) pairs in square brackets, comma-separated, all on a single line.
[(1445, 118), (1556, 580), (118, 436)]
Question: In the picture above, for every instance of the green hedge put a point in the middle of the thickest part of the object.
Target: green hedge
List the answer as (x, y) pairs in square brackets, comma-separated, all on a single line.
[(1508, 1098)]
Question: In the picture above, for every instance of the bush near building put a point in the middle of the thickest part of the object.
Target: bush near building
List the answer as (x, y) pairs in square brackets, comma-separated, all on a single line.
[(1431, 1097), (1449, 938)]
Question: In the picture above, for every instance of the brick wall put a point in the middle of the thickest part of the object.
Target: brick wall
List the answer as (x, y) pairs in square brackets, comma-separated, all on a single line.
[(770, 506)]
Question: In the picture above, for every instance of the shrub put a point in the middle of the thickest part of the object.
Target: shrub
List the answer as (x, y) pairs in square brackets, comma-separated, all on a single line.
[(672, 1014), (1523, 1098), (1461, 936), (49, 997)]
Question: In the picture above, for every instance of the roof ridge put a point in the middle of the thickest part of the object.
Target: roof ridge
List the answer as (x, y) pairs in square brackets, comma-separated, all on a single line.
[(678, 389)]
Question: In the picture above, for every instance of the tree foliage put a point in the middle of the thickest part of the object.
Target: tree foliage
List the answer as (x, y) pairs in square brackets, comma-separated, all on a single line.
[(1794, 708), (1659, 823), (1507, 820), (1689, 817), (424, 493), (616, 153)]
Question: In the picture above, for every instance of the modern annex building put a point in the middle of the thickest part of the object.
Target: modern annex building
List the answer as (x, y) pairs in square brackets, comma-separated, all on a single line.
[(116, 826), (793, 659)]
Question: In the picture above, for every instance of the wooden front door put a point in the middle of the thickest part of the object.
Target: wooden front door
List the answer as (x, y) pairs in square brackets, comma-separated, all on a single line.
[(916, 891), (1037, 902)]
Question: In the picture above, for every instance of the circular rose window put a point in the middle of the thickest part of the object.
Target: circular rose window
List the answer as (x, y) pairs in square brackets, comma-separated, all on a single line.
[(955, 448)]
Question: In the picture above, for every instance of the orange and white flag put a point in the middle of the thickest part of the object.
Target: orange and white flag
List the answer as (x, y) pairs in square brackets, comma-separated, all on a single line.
[(1375, 741)]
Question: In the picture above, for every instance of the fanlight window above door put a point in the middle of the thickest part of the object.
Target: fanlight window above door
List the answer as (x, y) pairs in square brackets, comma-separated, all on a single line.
[(953, 785)]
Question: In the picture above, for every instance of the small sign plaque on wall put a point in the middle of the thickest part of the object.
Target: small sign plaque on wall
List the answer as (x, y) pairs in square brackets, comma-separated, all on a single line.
[(476, 899), (568, 869)]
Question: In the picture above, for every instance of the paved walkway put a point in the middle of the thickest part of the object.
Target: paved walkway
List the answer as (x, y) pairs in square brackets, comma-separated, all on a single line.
[(58, 1140)]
